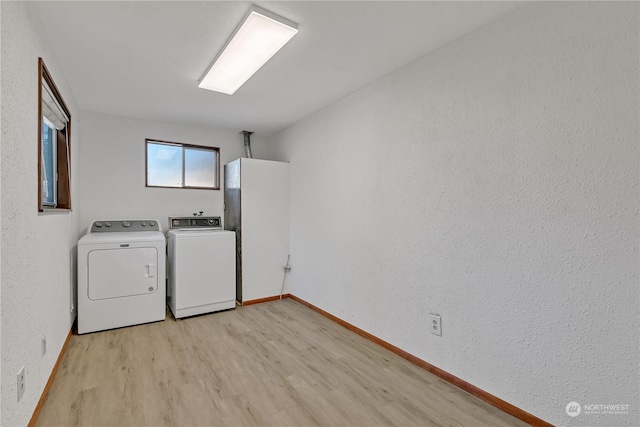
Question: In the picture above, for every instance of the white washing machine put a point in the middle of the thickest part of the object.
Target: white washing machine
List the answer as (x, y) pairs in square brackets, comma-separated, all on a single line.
[(121, 275), (201, 266)]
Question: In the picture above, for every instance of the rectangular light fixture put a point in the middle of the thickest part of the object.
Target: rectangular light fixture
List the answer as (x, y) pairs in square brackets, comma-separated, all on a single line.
[(260, 35)]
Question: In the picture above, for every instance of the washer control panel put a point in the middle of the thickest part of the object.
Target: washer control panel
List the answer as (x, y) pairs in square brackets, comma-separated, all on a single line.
[(194, 222), (124, 225)]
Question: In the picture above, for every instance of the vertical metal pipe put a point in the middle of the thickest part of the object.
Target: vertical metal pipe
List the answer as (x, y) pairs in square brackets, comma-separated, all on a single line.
[(247, 143)]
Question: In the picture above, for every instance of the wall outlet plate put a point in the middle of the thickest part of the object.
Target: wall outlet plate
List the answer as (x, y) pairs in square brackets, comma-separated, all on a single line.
[(435, 324), (21, 383)]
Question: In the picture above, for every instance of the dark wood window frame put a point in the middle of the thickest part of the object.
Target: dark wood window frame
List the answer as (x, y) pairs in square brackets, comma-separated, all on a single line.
[(63, 157), (183, 146)]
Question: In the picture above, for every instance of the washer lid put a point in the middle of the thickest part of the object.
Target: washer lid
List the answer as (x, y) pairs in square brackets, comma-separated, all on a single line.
[(193, 233), (129, 237)]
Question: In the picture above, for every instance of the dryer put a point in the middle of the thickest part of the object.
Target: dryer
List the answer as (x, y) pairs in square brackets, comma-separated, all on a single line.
[(121, 275)]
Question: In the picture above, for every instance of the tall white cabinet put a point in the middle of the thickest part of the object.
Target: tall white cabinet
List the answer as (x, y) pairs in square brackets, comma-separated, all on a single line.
[(256, 197)]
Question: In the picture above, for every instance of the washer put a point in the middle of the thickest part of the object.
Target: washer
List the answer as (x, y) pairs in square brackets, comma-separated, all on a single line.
[(121, 275), (201, 266)]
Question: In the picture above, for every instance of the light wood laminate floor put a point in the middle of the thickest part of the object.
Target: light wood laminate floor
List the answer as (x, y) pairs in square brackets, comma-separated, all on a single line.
[(271, 364)]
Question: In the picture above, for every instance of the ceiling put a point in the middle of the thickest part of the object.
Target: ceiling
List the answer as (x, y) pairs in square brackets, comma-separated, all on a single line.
[(144, 59)]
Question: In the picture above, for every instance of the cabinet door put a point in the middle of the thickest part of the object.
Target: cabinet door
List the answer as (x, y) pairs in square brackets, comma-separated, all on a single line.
[(114, 273), (265, 227)]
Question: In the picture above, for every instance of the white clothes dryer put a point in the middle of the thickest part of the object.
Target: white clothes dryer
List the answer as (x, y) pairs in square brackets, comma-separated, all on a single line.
[(121, 275)]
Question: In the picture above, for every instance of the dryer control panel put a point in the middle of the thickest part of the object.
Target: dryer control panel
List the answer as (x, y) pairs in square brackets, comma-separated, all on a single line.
[(124, 226), (194, 222)]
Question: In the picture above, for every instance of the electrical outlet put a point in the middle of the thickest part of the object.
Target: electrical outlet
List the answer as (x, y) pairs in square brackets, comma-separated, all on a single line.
[(43, 345), (21, 383), (436, 324)]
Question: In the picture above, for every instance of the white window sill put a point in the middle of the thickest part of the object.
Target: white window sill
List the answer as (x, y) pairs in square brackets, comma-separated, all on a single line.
[(53, 211)]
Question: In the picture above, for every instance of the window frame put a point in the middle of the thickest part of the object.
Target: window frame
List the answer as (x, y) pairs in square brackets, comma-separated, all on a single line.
[(183, 146), (54, 156), (63, 140)]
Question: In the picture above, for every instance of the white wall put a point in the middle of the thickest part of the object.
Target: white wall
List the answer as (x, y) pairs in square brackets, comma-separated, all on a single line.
[(1, 137), (37, 250), (112, 166), (494, 182)]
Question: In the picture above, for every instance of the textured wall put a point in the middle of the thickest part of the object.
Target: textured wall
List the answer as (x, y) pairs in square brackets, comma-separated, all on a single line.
[(1, 138), (37, 250), (494, 182), (112, 166)]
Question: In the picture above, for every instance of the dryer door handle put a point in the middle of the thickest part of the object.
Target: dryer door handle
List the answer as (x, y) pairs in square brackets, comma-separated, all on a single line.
[(150, 270)]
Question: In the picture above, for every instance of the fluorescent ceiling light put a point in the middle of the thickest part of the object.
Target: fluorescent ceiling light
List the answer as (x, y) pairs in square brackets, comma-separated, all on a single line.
[(260, 35)]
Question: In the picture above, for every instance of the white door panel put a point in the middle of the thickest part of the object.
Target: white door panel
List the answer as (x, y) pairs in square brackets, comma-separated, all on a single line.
[(114, 273), (204, 269), (265, 226)]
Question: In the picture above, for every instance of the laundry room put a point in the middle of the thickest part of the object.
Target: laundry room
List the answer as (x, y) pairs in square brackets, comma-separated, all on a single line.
[(423, 213)]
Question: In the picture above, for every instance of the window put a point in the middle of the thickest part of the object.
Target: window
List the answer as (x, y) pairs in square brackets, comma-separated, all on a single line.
[(54, 156), (175, 165)]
